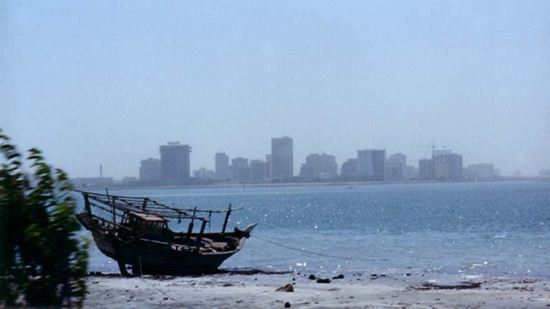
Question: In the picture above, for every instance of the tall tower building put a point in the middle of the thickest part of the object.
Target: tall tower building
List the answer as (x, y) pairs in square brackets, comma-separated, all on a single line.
[(223, 171), (282, 157), (371, 164), (396, 164), (444, 165), (447, 165), (175, 163), (426, 169), (364, 163), (398, 158)]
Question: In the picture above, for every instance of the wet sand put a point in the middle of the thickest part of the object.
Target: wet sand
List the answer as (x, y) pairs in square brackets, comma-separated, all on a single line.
[(353, 291)]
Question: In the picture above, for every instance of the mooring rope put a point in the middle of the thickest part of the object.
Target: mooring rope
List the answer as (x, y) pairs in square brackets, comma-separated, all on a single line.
[(312, 252)]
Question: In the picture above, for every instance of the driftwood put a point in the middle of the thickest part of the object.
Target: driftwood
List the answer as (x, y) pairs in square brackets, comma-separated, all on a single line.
[(459, 286)]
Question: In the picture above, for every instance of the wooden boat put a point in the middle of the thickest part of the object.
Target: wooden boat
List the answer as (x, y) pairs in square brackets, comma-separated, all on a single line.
[(135, 231)]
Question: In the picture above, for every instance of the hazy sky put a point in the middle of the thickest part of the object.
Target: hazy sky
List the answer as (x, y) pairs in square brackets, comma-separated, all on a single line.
[(110, 81)]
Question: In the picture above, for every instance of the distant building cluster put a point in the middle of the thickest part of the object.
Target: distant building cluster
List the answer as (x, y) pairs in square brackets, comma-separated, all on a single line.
[(173, 168), (319, 166), (444, 165)]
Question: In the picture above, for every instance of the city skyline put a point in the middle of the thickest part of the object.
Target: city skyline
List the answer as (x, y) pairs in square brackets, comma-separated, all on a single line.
[(370, 164), (429, 152)]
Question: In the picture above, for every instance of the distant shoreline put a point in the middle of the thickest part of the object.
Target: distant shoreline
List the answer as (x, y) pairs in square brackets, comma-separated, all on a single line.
[(308, 184)]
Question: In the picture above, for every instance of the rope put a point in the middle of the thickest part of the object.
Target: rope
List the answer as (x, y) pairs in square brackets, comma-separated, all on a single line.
[(312, 252)]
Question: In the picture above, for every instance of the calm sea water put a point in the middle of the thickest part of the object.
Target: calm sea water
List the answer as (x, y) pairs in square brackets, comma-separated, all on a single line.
[(457, 229)]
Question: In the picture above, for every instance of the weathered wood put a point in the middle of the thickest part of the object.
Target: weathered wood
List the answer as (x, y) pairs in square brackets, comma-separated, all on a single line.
[(150, 252), (122, 267), (121, 264), (87, 203), (199, 238), (114, 211), (226, 218), (190, 229)]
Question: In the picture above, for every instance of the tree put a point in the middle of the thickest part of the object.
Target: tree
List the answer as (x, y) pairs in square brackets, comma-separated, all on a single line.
[(41, 257)]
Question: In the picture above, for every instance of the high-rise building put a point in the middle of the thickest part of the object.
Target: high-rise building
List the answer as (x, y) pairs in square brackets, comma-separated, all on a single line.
[(240, 169), (371, 164), (349, 168), (364, 163), (447, 165), (426, 169), (282, 158), (149, 171), (319, 165), (223, 170), (444, 165), (175, 163), (396, 165), (398, 158), (257, 170)]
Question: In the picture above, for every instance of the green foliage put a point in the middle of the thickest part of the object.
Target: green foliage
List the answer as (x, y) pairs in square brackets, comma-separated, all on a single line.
[(41, 257)]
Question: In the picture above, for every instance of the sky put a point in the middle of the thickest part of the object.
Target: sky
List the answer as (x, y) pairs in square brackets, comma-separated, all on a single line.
[(108, 82)]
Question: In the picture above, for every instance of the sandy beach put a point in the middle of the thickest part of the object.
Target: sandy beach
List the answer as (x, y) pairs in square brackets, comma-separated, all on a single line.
[(353, 291)]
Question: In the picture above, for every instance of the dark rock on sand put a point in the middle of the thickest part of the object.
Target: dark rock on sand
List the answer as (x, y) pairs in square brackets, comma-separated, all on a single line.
[(340, 276), (312, 277), (323, 280), (286, 288), (287, 305)]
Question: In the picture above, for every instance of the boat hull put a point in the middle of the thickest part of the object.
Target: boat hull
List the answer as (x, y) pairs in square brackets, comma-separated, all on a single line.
[(182, 257), (163, 260)]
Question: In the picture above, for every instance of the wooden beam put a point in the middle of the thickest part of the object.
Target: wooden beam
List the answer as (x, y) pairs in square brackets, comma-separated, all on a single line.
[(87, 203), (199, 238), (226, 218)]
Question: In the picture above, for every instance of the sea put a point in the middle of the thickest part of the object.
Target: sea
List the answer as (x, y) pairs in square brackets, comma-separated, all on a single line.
[(462, 230)]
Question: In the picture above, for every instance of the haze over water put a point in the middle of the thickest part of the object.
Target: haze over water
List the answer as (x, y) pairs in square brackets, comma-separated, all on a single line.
[(108, 82), (445, 229)]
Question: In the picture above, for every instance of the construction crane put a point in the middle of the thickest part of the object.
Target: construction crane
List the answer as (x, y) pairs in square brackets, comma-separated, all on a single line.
[(428, 147)]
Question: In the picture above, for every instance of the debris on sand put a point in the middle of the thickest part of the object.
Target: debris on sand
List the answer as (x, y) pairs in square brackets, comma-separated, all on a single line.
[(286, 288), (459, 286)]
